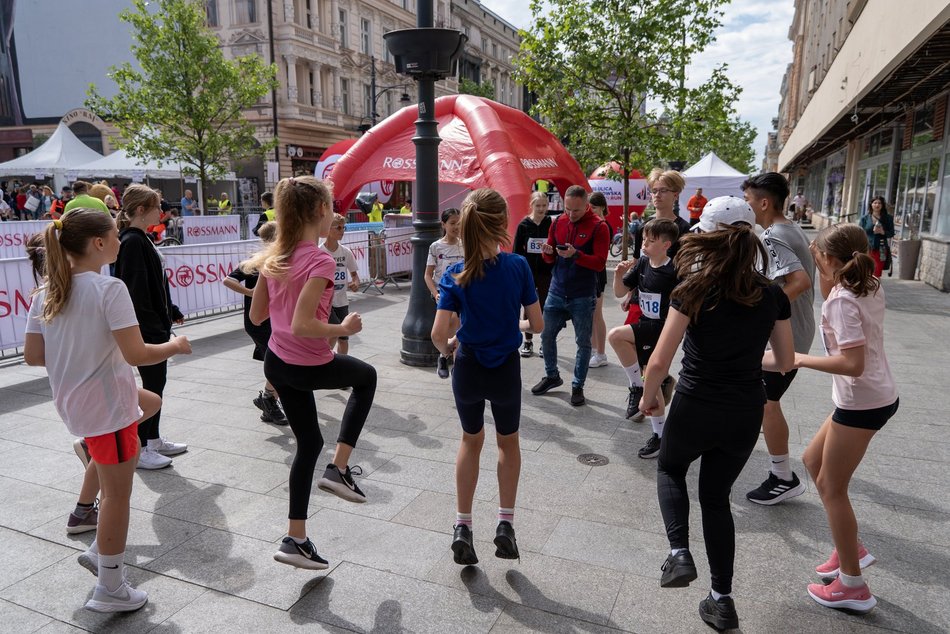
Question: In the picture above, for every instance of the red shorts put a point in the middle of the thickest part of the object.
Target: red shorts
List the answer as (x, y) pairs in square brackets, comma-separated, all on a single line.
[(115, 447)]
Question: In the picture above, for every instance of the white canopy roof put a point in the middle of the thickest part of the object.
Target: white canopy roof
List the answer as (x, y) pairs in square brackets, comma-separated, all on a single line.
[(715, 176), (120, 164), (711, 165), (62, 152)]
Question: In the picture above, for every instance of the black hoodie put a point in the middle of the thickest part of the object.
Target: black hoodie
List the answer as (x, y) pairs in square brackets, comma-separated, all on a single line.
[(141, 268)]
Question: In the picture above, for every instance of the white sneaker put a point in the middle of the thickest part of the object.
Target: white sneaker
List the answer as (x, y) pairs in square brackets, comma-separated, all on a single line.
[(597, 360), (89, 561), (151, 459), (167, 448), (124, 599)]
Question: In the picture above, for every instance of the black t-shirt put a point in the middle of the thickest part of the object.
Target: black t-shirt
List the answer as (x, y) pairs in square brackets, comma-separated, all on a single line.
[(250, 281), (722, 351), (654, 286), (538, 233), (682, 225)]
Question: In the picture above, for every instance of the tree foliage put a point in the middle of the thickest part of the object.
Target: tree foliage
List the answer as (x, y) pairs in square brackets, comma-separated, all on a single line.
[(186, 103), (484, 89), (609, 76)]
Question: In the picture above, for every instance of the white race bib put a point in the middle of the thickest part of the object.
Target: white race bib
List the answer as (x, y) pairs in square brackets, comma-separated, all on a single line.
[(534, 244), (650, 304)]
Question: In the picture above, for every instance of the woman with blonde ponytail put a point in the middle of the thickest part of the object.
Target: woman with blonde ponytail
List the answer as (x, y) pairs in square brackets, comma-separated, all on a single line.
[(140, 266), (83, 328), (865, 398), (487, 290)]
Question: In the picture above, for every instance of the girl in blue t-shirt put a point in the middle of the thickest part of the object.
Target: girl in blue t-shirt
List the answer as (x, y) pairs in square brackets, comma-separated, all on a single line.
[(487, 290)]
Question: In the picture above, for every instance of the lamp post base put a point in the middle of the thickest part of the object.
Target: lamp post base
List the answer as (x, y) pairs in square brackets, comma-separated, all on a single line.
[(418, 352)]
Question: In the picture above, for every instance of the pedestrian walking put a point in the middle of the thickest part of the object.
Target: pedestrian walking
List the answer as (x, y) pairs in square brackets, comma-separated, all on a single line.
[(82, 326), (345, 277), (443, 253), (879, 227), (728, 311), (488, 291), (530, 235), (865, 398), (296, 295)]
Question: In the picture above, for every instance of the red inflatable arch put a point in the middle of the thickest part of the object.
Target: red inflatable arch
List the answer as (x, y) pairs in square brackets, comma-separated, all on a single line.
[(484, 144)]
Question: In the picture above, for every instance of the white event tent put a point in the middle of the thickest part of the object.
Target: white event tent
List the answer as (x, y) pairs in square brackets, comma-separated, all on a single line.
[(715, 176), (120, 165), (61, 153)]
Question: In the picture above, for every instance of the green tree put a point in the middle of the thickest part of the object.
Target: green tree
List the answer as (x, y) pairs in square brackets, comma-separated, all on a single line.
[(484, 89), (609, 76), (186, 103)]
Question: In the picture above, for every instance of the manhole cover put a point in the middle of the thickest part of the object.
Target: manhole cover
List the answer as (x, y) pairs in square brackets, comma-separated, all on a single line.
[(592, 459)]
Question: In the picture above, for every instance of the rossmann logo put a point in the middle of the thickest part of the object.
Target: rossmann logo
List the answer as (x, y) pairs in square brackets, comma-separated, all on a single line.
[(538, 163), (213, 230), (185, 275), (14, 302), (15, 239), (397, 162)]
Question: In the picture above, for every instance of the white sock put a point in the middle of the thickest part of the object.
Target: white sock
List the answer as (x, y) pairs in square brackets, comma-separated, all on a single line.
[(110, 571), (657, 423), (781, 466), (716, 596), (633, 375), (93, 548), (154, 442), (851, 582)]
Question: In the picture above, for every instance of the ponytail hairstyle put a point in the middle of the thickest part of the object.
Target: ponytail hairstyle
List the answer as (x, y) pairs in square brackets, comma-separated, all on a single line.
[(849, 243), (298, 202), (136, 196), (726, 264), (484, 226), (69, 236), (36, 251)]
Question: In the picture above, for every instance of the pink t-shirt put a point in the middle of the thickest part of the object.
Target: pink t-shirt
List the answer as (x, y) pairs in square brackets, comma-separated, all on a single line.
[(849, 321), (307, 262)]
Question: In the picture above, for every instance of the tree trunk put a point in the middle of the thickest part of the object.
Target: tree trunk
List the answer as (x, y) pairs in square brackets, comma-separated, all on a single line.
[(625, 243)]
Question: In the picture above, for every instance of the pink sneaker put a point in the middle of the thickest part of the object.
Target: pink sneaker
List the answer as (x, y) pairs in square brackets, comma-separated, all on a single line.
[(839, 596), (829, 569)]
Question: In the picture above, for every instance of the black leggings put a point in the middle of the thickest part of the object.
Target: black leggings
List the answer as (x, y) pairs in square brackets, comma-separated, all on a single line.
[(723, 437), (295, 384), (153, 380)]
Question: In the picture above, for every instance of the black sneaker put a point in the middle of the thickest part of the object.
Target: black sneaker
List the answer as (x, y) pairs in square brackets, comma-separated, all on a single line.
[(651, 449), (667, 387), (442, 368), (720, 614), (463, 547), (270, 409), (341, 484), (678, 570), (506, 547), (547, 384), (300, 555), (527, 349), (633, 402), (577, 396), (775, 490)]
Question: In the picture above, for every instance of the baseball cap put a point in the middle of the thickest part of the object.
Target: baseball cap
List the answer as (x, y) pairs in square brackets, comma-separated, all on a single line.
[(724, 210)]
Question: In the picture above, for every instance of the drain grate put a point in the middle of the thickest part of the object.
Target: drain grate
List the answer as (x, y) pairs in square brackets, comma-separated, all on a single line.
[(592, 459)]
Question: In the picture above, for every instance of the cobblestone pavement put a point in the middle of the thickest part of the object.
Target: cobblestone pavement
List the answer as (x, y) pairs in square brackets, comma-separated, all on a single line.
[(203, 532)]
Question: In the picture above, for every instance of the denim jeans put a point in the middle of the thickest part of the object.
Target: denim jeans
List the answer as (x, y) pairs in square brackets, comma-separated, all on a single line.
[(557, 310)]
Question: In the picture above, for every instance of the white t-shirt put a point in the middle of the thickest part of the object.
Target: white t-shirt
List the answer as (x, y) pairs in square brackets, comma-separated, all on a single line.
[(849, 321), (93, 387), (442, 255), (345, 265)]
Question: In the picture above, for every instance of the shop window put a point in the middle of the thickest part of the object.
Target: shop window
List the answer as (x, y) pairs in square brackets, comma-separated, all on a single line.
[(923, 125), (932, 173), (943, 210)]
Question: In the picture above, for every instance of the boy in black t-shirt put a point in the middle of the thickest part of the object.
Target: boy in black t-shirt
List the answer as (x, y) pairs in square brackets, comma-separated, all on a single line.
[(654, 277)]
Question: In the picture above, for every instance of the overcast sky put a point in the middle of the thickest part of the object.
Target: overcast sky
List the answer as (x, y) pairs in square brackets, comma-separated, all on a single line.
[(753, 41)]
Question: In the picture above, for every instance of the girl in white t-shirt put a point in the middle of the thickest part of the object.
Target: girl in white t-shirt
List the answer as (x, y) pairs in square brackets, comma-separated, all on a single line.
[(82, 327), (443, 253), (865, 397)]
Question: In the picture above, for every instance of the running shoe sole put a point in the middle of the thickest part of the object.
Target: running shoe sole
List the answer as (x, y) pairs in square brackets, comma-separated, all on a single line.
[(855, 605), (505, 548), (86, 562), (464, 553), (299, 561)]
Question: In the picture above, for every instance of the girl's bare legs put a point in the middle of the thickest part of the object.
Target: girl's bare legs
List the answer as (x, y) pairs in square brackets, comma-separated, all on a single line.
[(116, 481), (90, 485), (466, 470), (509, 470)]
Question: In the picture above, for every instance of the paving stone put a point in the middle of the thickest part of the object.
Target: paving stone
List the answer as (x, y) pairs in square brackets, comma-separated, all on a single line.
[(384, 499), (613, 547), (232, 510), (518, 618), (433, 476), (368, 600), (28, 505), (26, 555), (240, 472), (218, 613)]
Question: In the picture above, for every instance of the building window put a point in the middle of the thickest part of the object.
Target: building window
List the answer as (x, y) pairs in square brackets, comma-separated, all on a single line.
[(389, 103), (245, 11), (344, 40), (211, 12), (345, 94), (367, 100), (494, 50), (309, 12), (923, 125), (312, 87), (366, 42), (405, 5)]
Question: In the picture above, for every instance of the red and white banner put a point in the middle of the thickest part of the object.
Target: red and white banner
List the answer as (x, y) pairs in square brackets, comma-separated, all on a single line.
[(16, 286), (358, 243), (251, 223), (14, 234), (398, 250), (205, 229)]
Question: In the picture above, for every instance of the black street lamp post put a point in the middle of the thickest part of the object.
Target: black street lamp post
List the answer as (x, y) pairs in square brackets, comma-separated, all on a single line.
[(426, 54)]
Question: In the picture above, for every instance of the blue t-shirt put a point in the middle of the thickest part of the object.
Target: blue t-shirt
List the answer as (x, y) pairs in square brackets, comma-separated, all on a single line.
[(490, 308), (185, 210)]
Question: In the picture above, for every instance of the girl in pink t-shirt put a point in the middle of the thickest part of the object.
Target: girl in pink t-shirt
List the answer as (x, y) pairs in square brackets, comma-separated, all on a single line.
[(295, 292), (865, 397)]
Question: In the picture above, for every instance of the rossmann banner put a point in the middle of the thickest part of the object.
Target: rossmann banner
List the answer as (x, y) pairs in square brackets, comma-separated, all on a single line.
[(14, 234), (195, 275), (205, 229)]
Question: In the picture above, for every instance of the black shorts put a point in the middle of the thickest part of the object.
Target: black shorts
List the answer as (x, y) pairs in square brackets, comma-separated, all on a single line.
[(337, 314), (473, 384), (260, 335), (865, 418), (601, 282), (777, 383), (646, 332)]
